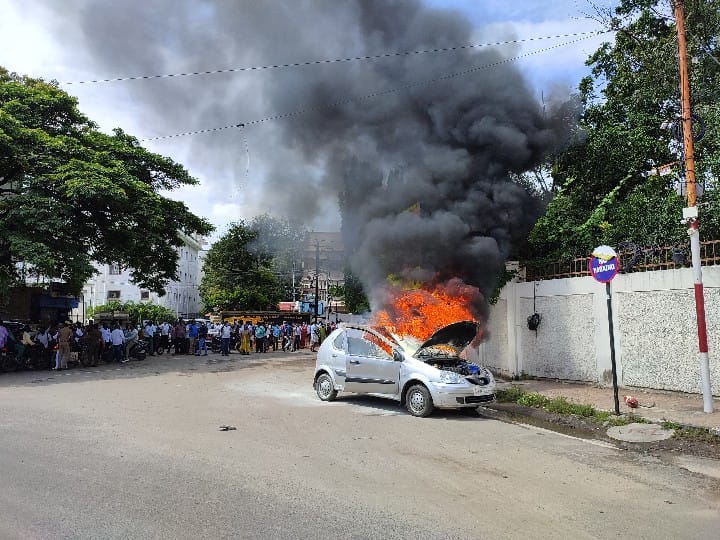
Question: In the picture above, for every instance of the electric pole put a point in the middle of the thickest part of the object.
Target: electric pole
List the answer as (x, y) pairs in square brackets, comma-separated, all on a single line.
[(317, 277), (690, 214)]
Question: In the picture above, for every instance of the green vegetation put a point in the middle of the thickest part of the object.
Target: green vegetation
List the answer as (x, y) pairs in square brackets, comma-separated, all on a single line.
[(137, 311), (561, 405), (71, 195), (238, 273), (603, 187), (691, 433)]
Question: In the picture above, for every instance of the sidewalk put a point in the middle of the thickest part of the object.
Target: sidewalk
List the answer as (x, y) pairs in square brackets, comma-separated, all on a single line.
[(685, 409)]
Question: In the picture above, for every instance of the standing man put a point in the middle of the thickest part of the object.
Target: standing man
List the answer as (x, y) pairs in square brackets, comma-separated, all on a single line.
[(225, 332), (297, 334), (287, 332), (65, 336), (165, 336), (180, 336), (275, 335), (202, 339), (260, 337), (93, 343), (117, 338), (193, 335), (105, 331), (314, 337), (3, 335)]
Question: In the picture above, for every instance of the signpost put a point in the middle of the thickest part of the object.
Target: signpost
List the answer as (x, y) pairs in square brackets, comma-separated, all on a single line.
[(603, 266)]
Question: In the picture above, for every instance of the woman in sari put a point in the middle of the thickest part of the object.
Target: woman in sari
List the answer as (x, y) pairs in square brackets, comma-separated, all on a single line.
[(245, 339)]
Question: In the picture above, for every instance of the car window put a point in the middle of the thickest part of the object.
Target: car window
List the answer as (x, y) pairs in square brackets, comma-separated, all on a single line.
[(362, 343), (339, 341)]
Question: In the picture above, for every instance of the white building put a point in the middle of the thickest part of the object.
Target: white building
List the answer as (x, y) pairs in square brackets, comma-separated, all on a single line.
[(182, 296)]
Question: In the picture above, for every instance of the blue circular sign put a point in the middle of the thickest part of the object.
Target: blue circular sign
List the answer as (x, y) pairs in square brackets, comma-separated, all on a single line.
[(603, 264)]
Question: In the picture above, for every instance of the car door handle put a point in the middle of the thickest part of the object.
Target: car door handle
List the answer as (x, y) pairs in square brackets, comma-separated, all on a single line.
[(354, 361)]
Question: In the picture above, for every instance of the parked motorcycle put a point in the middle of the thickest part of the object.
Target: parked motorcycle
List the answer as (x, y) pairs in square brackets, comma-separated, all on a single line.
[(138, 351), (216, 344), (8, 359)]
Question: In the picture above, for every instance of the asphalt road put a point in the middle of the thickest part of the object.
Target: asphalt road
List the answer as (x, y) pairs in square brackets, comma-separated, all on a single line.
[(134, 451)]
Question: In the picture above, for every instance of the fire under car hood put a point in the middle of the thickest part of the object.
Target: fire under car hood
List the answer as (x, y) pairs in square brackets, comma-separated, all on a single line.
[(456, 335)]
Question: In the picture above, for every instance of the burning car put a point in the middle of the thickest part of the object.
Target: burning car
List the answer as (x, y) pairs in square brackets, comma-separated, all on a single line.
[(370, 360)]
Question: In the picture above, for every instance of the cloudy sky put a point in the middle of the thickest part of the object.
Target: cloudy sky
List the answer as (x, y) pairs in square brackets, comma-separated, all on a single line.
[(271, 164)]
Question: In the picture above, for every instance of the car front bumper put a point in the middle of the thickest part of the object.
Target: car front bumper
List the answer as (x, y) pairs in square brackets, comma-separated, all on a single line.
[(453, 396)]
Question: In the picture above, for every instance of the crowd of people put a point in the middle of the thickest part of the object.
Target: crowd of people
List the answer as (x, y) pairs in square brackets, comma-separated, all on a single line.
[(53, 345)]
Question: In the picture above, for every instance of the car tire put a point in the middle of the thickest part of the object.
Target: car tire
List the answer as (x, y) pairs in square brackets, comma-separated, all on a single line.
[(418, 401), (325, 387)]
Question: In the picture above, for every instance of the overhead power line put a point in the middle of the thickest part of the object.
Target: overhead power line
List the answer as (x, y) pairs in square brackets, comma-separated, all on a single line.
[(370, 96), (329, 61)]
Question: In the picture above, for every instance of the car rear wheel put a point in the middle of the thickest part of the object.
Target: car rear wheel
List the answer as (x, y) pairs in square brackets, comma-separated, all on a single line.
[(418, 401), (325, 387)]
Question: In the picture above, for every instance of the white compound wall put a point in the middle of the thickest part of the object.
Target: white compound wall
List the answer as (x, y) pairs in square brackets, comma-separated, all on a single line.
[(654, 324)]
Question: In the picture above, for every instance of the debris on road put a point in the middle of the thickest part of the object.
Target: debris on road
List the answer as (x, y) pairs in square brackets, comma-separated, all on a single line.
[(227, 428)]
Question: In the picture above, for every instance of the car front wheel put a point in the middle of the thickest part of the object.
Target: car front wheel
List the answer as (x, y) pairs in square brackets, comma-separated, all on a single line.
[(419, 401), (325, 387)]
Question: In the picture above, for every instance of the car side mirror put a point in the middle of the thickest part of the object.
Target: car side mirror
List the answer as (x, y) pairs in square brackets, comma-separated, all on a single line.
[(397, 357)]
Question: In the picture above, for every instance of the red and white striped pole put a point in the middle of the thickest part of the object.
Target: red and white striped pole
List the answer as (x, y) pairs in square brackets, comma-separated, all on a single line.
[(691, 213)]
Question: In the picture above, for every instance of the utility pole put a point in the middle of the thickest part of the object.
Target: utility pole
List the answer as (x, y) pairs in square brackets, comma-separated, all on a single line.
[(317, 277), (690, 214)]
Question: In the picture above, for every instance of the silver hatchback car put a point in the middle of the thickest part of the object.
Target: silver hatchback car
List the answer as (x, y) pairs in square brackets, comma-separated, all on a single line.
[(367, 360)]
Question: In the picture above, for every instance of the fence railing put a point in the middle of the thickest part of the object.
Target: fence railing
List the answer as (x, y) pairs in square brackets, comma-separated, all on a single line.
[(632, 258)]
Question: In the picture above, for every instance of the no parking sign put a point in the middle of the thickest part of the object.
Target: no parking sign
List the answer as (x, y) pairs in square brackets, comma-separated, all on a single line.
[(603, 264)]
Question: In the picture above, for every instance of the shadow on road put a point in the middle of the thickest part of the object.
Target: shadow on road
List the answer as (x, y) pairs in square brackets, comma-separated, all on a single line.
[(386, 407)]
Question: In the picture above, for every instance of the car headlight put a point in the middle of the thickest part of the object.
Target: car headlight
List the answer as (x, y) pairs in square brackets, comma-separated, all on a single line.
[(450, 377)]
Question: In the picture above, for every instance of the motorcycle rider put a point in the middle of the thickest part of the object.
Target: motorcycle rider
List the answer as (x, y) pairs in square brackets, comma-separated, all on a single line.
[(150, 337), (131, 338)]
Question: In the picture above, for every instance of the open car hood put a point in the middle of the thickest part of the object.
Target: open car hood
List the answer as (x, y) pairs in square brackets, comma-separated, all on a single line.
[(456, 335)]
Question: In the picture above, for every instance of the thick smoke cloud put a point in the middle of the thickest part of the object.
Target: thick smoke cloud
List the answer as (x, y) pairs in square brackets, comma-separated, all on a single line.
[(421, 175)]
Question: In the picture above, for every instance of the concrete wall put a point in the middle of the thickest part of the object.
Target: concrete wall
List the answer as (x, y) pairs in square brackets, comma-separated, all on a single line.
[(654, 328)]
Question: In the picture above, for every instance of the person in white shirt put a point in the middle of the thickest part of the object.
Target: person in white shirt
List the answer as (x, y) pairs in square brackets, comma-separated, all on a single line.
[(165, 336), (131, 338), (150, 337), (117, 338), (225, 332), (314, 338)]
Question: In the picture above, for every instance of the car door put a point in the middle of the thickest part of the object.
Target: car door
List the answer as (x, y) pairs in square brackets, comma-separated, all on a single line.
[(369, 365)]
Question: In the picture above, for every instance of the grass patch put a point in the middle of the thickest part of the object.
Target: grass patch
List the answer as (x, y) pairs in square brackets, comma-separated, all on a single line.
[(533, 399), (509, 395), (696, 434), (623, 420), (561, 405)]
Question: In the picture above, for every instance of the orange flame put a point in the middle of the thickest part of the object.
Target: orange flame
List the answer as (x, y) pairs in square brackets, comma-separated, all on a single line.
[(421, 312)]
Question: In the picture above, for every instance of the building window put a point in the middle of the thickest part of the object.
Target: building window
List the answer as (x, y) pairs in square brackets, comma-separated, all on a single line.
[(113, 295), (114, 269), (144, 295)]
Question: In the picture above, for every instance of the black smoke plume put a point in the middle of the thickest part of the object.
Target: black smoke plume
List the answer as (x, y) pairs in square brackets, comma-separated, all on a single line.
[(421, 174)]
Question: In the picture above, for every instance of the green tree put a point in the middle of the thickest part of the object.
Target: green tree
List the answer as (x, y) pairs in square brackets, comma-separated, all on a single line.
[(352, 293), (238, 274), (138, 311), (607, 192), (71, 195)]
